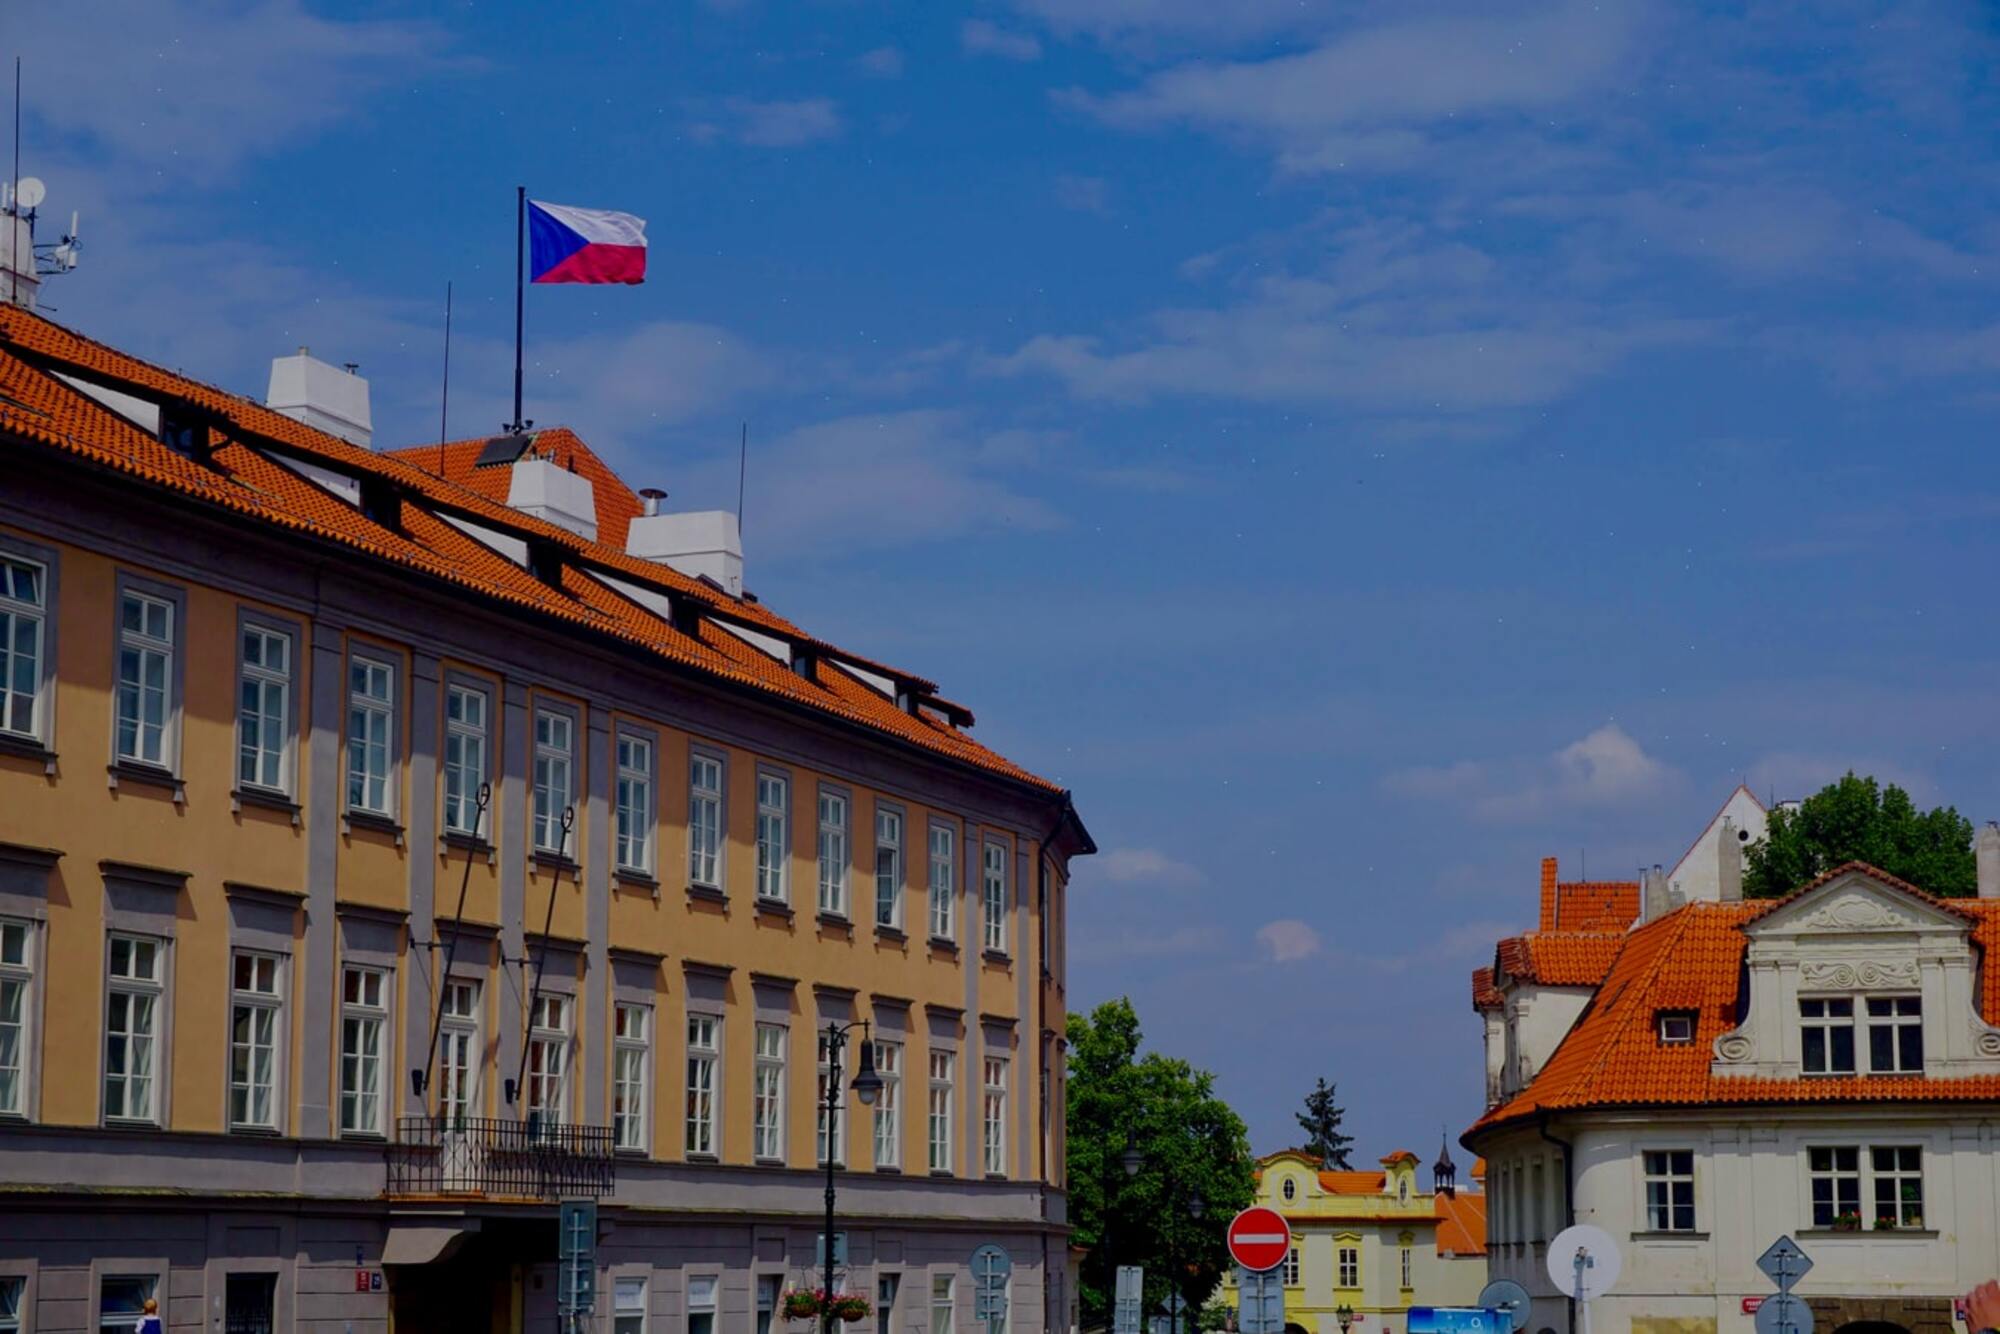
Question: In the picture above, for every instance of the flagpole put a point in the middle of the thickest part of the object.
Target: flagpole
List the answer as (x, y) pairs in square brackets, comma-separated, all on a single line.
[(520, 248)]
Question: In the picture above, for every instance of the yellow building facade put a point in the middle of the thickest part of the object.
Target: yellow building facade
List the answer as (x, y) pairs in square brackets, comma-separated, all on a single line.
[(379, 861), (1374, 1242)]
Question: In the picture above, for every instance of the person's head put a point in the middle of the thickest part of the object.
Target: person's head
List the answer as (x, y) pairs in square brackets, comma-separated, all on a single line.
[(152, 1307)]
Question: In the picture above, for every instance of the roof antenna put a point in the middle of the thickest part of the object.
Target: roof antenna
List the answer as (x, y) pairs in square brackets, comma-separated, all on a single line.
[(742, 472), (444, 397), (14, 199)]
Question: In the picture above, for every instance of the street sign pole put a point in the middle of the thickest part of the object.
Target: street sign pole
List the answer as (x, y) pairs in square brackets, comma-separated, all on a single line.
[(1784, 1264)]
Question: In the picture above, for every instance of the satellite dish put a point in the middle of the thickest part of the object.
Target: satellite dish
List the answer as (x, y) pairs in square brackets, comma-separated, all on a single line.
[(1507, 1297), (30, 192), (1583, 1261)]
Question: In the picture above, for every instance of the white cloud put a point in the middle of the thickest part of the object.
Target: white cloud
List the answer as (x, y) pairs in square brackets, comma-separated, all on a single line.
[(774, 124), (884, 62), (1128, 866), (980, 38), (1288, 940), (1605, 769), (615, 388)]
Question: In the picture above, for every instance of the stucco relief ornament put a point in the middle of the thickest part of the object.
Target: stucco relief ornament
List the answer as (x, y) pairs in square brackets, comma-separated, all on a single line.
[(1868, 974), (1985, 1037), (1733, 1048), (1847, 913)]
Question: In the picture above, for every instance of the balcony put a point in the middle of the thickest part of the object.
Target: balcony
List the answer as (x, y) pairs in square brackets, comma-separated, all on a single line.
[(483, 1158)]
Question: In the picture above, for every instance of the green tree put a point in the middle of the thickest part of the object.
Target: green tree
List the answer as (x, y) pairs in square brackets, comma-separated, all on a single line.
[(1189, 1142), (1855, 820), (1321, 1122)]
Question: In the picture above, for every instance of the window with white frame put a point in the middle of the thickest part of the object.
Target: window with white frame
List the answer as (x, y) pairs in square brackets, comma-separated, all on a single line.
[(889, 1105), (995, 898), (1676, 1027), (701, 1303), (548, 1059), (1834, 1172), (943, 880), (768, 1288), (886, 1288), (635, 803), (145, 677), (264, 690), (993, 1116), (555, 764), (135, 995), (465, 747), (1895, 1035), (773, 800), (631, 1064), (256, 1014), (767, 1101), (831, 1123), (371, 730), (1350, 1266), (1292, 1267), (23, 615), (1406, 1265), (942, 1076), (121, 1301), (941, 1293), (17, 980), (628, 1306), (1826, 1026), (888, 868), (1897, 1184), (832, 853), (13, 1289), (705, 820), (703, 1050), (364, 1030), (460, 1056), (1669, 1190)]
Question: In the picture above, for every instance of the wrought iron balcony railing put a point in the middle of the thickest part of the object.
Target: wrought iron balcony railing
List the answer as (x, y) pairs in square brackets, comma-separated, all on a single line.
[(484, 1157)]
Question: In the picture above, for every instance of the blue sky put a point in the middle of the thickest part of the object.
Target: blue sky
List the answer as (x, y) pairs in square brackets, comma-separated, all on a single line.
[(1360, 449)]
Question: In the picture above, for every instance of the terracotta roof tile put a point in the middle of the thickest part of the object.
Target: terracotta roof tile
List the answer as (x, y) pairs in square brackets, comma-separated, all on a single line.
[(1352, 1183), (617, 504), (1557, 958), (1485, 996), (1461, 1223), (1596, 905)]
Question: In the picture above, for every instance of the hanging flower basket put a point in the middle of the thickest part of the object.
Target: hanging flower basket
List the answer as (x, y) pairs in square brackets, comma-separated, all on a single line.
[(810, 1304)]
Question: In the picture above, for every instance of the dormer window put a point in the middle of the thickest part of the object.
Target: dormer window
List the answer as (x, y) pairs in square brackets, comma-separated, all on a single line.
[(1676, 1028), (1826, 1045), (1895, 1035), (182, 433), (1290, 1189)]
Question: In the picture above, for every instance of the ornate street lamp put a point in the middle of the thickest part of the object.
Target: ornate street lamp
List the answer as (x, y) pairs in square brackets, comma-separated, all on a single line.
[(867, 1086), (1345, 1315)]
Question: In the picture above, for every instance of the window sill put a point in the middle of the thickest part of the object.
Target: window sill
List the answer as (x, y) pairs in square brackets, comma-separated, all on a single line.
[(363, 1136), (373, 822), (627, 1151), (129, 1123), (709, 893), (944, 945), (256, 1132), (1000, 957), (28, 748), (147, 775), (775, 908), (836, 921), (558, 864), (1669, 1234), (942, 1175), (638, 880), (1870, 1233), (701, 1158), (890, 933), (265, 799)]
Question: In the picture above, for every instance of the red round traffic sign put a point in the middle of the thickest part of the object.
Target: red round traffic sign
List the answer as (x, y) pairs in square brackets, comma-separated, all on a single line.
[(1258, 1238)]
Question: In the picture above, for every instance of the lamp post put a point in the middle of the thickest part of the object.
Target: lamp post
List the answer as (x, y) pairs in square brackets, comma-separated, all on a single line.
[(1345, 1315), (1130, 1160), (867, 1085)]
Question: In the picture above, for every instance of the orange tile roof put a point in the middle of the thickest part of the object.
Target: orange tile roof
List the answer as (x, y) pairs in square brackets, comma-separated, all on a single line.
[(1485, 996), (1691, 959), (617, 504), (1586, 905), (1353, 1183), (239, 476), (1461, 1224), (1557, 958)]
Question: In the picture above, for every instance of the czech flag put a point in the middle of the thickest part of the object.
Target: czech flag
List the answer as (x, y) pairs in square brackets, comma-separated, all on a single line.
[(584, 245)]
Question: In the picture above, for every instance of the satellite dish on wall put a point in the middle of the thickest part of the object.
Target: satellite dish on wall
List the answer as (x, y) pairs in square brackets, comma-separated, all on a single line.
[(1509, 1298), (30, 192), (1583, 1262)]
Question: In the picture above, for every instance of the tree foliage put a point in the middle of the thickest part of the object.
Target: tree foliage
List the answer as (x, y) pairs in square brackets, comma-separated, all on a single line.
[(1856, 820), (1191, 1144), (1321, 1122)]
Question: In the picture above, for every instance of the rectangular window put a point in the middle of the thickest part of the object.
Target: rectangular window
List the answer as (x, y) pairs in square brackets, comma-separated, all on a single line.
[(940, 1110), (1835, 1173), (628, 1306), (993, 1114), (701, 1304), (1670, 1190), (249, 1303), (767, 1103), (941, 1286), (132, 1029), (702, 1052), (121, 1301), (773, 797), (632, 1035), (11, 1292), (461, 1055), (888, 868), (943, 881), (364, 1025), (1292, 1267), (255, 1021), (889, 1105), (1895, 1035), (635, 803), (145, 671), (1350, 1267), (554, 792), (1898, 1185), (264, 687), (886, 1286), (371, 728), (832, 1129), (23, 611), (832, 853), (1827, 1035), (17, 978), (1407, 1284), (768, 1288), (995, 898), (1676, 1028), (464, 760), (548, 1059), (705, 821)]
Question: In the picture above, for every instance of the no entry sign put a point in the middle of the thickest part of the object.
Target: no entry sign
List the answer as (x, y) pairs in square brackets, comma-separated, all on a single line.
[(1259, 1239)]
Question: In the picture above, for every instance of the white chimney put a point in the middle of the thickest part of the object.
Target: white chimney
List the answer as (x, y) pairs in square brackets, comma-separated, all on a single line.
[(703, 543), (547, 490), (1729, 863), (1986, 856), (330, 398)]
